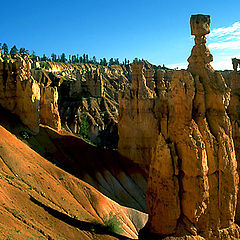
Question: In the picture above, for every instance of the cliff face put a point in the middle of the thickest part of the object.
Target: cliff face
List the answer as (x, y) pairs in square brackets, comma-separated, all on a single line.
[(90, 92), (234, 114), (137, 123), (182, 136), (49, 107), (21, 94)]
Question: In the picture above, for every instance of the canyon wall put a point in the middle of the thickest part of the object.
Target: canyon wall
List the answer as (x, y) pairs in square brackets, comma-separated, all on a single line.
[(26, 97), (181, 135), (233, 79)]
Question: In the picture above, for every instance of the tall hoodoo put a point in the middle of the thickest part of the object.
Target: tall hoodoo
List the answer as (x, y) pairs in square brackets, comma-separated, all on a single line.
[(137, 124), (209, 113), (189, 154)]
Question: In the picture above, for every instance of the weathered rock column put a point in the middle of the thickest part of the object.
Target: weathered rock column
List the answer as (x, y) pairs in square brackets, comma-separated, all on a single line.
[(193, 182), (49, 114), (137, 126), (234, 114), (211, 117)]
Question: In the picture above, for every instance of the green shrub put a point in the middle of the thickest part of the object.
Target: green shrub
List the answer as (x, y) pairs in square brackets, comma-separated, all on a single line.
[(45, 65), (113, 223), (84, 127), (24, 135)]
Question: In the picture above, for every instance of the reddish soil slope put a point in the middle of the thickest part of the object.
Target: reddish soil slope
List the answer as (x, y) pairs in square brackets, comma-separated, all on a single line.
[(38, 200)]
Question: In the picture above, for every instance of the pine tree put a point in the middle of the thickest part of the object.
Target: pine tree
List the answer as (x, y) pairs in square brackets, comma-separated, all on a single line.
[(5, 48), (23, 51), (14, 50), (135, 60), (116, 61), (54, 57), (105, 62), (74, 59), (84, 125), (63, 58), (94, 60), (111, 62)]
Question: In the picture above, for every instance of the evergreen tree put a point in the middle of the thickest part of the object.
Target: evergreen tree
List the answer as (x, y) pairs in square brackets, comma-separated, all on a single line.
[(81, 59), (135, 60), (84, 125), (77, 58), (94, 60), (63, 58), (74, 59), (14, 50), (84, 58), (87, 61), (5, 48), (105, 62), (23, 51), (33, 56), (54, 57), (111, 62), (69, 58), (44, 58), (116, 61)]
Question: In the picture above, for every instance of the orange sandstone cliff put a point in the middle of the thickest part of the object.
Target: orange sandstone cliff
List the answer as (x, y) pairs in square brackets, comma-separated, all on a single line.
[(24, 96), (181, 135)]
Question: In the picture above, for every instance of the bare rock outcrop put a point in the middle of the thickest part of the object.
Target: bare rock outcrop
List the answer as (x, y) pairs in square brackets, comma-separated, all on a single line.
[(234, 114), (49, 114), (137, 123), (182, 136), (21, 94), (90, 92)]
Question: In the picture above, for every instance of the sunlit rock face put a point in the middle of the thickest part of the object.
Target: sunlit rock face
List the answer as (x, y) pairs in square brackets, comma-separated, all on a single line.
[(234, 113), (25, 96), (19, 92), (137, 123), (49, 114), (181, 134)]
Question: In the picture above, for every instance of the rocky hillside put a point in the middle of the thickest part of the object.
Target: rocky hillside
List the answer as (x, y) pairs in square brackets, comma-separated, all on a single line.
[(42, 201)]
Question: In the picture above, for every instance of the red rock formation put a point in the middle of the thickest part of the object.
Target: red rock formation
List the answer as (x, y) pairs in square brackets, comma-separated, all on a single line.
[(20, 94), (234, 114), (137, 123), (49, 114), (183, 138)]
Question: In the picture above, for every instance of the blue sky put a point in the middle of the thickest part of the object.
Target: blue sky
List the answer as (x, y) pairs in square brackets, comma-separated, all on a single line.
[(158, 31)]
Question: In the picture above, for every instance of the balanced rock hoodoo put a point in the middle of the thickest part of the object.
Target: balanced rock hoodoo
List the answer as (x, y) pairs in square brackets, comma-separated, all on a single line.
[(181, 135)]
